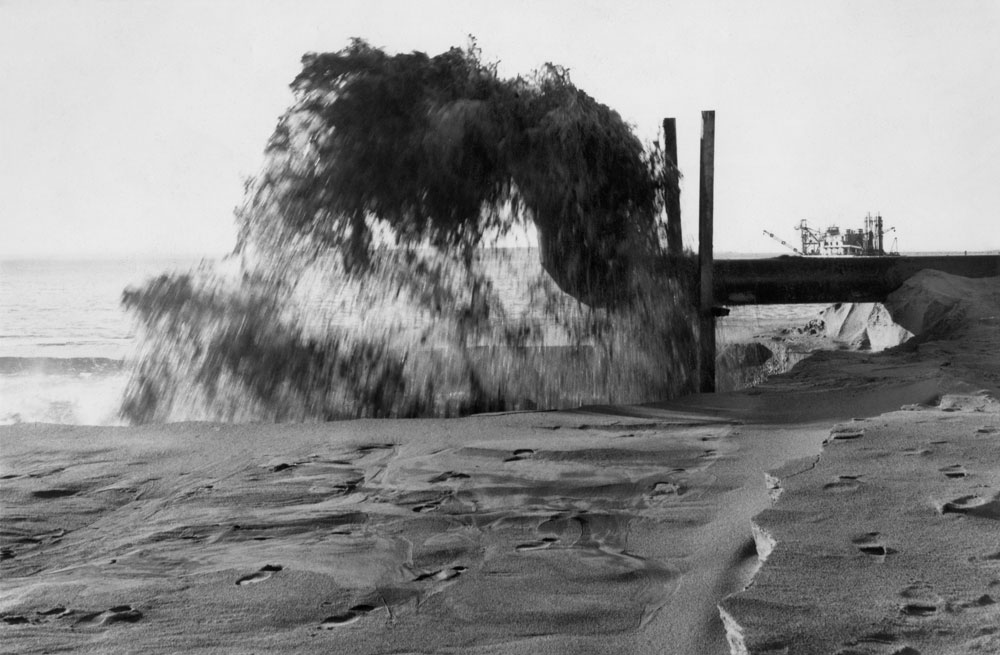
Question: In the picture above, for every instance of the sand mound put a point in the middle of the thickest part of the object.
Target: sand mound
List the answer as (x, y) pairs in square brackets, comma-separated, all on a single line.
[(933, 304), (863, 326)]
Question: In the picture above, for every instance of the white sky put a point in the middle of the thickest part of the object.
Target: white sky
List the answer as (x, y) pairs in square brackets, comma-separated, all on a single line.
[(127, 127)]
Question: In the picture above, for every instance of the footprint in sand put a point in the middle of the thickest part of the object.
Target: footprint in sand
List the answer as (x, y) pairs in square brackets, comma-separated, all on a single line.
[(55, 493), (121, 614), (845, 431), (345, 618), (542, 544), (919, 609), (263, 574), (520, 454), (920, 600), (56, 612), (666, 489), (426, 507), (974, 506), (955, 471), (442, 574), (870, 543), (117, 614), (375, 446), (843, 484)]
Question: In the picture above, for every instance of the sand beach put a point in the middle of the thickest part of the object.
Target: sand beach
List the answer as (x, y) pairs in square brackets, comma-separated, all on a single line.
[(373, 328), (848, 506)]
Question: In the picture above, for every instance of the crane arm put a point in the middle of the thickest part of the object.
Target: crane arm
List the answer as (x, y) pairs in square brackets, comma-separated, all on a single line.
[(782, 242)]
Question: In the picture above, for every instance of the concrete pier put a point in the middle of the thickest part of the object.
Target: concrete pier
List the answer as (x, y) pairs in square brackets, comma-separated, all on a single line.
[(791, 280)]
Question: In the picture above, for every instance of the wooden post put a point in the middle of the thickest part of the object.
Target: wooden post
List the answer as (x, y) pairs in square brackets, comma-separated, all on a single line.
[(672, 189), (706, 356)]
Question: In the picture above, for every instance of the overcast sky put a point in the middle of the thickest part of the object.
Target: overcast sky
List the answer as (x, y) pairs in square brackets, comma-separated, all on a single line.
[(127, 127)]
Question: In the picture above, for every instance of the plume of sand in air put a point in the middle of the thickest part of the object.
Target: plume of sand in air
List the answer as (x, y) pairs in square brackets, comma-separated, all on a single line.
[(368, 272)]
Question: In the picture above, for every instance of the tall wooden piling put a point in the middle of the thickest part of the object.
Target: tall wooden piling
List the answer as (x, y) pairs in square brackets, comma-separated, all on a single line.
[(672, 189), (706, 206)]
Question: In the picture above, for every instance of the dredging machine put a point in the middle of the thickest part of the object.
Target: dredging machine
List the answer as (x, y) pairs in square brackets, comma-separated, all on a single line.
[(869, 241)]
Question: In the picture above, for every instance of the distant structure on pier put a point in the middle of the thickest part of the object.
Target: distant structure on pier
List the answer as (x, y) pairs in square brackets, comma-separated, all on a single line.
[(869, 241)]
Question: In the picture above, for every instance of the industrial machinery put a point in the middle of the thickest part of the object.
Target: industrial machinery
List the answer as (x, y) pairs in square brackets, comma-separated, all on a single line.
[(869, 241)]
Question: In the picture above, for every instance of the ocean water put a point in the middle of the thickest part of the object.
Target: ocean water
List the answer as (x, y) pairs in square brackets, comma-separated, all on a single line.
[(64, 338)]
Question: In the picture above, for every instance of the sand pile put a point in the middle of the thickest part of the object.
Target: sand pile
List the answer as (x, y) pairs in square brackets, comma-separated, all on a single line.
[(863, 326), (938, 305), (746, 360)]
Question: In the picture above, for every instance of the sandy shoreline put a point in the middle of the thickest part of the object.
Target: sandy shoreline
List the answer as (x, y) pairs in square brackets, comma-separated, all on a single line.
[(599, 530)]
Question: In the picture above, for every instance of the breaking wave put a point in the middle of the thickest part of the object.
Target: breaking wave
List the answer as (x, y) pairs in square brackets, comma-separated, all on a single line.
[(74, 390)]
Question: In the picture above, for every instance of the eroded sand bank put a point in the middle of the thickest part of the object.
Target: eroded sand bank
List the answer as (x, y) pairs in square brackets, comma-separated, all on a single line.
[(602, 530), (889, 542)]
